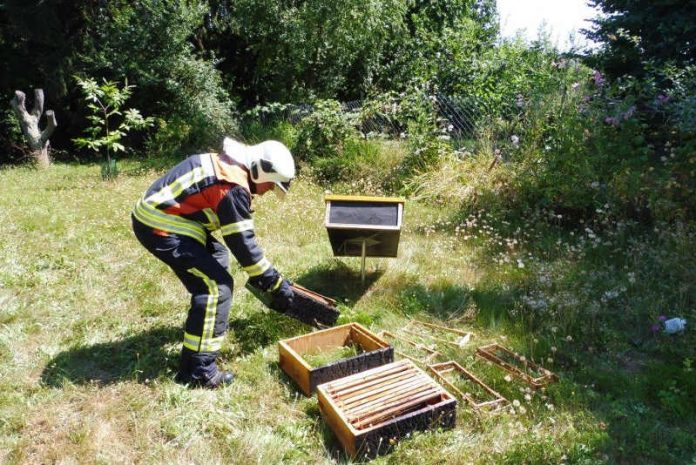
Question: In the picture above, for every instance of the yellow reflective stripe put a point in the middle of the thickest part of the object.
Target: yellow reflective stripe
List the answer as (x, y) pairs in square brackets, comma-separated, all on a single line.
[(258, 268), (210, 309), (173, 190), (212, 345), (213, 220), (194, 343), (151, 216), (277, 284), (238, 227)]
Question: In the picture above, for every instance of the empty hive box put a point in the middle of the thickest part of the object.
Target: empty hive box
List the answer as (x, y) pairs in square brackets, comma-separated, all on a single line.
[(369, 412), (333, 353), (364, 226)]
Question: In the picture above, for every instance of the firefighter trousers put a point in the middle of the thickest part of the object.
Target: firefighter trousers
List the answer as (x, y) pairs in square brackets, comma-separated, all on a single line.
[(204, 271)]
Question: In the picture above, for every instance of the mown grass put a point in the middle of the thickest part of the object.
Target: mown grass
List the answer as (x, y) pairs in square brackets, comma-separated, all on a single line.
[(90, 332)]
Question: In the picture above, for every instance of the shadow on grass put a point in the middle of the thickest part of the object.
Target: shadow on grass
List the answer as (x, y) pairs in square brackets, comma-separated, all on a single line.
[(339, 281), (260, 329), (442, 301), (139, 358)]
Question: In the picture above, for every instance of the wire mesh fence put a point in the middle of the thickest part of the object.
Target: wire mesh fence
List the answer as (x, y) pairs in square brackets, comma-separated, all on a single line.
[(459, 117)]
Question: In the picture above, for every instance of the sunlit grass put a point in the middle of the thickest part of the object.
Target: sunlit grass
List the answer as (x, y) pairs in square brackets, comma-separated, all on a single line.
[(90, 331)]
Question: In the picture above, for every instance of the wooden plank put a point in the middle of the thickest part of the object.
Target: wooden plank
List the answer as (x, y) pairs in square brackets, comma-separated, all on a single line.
[(366, 340), (337, 422), (378, 392), (386, 397), (391, 410), (318, 340), (360, 383), (394, 399), (362, 198), (447, 367), (443, 328), (314, 294), (488, 352), (417, 345), (397, 405), (295, 367), (367, 375), (375, 384), (444, 341)]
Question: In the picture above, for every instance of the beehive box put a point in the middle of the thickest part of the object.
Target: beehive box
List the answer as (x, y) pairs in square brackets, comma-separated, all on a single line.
[(371, 411), (356, 221), (295, 361)]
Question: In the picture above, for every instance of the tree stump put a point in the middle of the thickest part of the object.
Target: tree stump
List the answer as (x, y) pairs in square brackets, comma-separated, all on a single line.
[(29, 122)]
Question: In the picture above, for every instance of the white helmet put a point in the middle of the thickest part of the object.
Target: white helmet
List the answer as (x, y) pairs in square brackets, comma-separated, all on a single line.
[(269, 161)]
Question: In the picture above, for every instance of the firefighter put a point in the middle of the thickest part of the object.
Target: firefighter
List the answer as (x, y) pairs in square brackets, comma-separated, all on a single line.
[(174, 220)]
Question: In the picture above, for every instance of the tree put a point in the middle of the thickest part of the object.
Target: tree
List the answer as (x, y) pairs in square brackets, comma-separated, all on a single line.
[(29, 121), (150, 42), (635, 33)]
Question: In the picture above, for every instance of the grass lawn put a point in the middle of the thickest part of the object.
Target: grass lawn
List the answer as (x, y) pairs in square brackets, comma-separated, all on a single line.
[(90, 331)]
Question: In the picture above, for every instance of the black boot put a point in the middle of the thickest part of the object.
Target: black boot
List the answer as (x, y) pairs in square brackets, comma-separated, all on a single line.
[(198, 369)]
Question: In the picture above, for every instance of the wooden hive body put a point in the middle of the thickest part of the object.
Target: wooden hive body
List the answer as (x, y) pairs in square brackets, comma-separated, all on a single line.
[(292, 354), (371, 411)]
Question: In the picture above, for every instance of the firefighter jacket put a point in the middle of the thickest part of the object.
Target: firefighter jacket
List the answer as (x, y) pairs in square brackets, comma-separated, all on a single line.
[(205, 193)]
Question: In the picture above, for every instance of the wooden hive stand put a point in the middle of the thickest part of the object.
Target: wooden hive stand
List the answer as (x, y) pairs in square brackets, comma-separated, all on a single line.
[(294, 354), (371, 411)]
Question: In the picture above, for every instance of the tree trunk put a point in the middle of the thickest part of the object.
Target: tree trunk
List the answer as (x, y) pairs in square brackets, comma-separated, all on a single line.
[(29, 121)]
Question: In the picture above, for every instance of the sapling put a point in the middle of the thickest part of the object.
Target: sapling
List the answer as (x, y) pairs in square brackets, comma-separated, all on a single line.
[(105, 102)]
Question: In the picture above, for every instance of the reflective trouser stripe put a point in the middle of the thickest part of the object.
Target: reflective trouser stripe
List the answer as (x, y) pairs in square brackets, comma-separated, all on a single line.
[(155, 218), (194, 343), (258, 268), (213, 220), (206, 342), (277, 283), (233, 228)]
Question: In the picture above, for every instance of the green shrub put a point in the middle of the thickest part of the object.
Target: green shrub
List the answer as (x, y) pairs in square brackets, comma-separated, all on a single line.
[(324, 132)]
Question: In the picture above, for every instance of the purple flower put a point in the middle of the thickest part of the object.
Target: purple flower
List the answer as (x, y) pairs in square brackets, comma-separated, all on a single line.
[(598, 79), (662, 318), (629, 112), (611, 120), (655, 328)]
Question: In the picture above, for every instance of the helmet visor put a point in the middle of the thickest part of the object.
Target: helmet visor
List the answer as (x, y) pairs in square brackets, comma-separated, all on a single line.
[(284, 186)]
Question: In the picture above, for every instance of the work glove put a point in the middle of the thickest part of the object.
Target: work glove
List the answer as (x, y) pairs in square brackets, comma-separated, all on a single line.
[(282, 297)]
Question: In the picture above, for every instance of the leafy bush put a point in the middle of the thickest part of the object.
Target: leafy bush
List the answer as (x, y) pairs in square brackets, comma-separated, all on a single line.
[(200, 102), (149, 43), (324, 132), (11, 139)]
